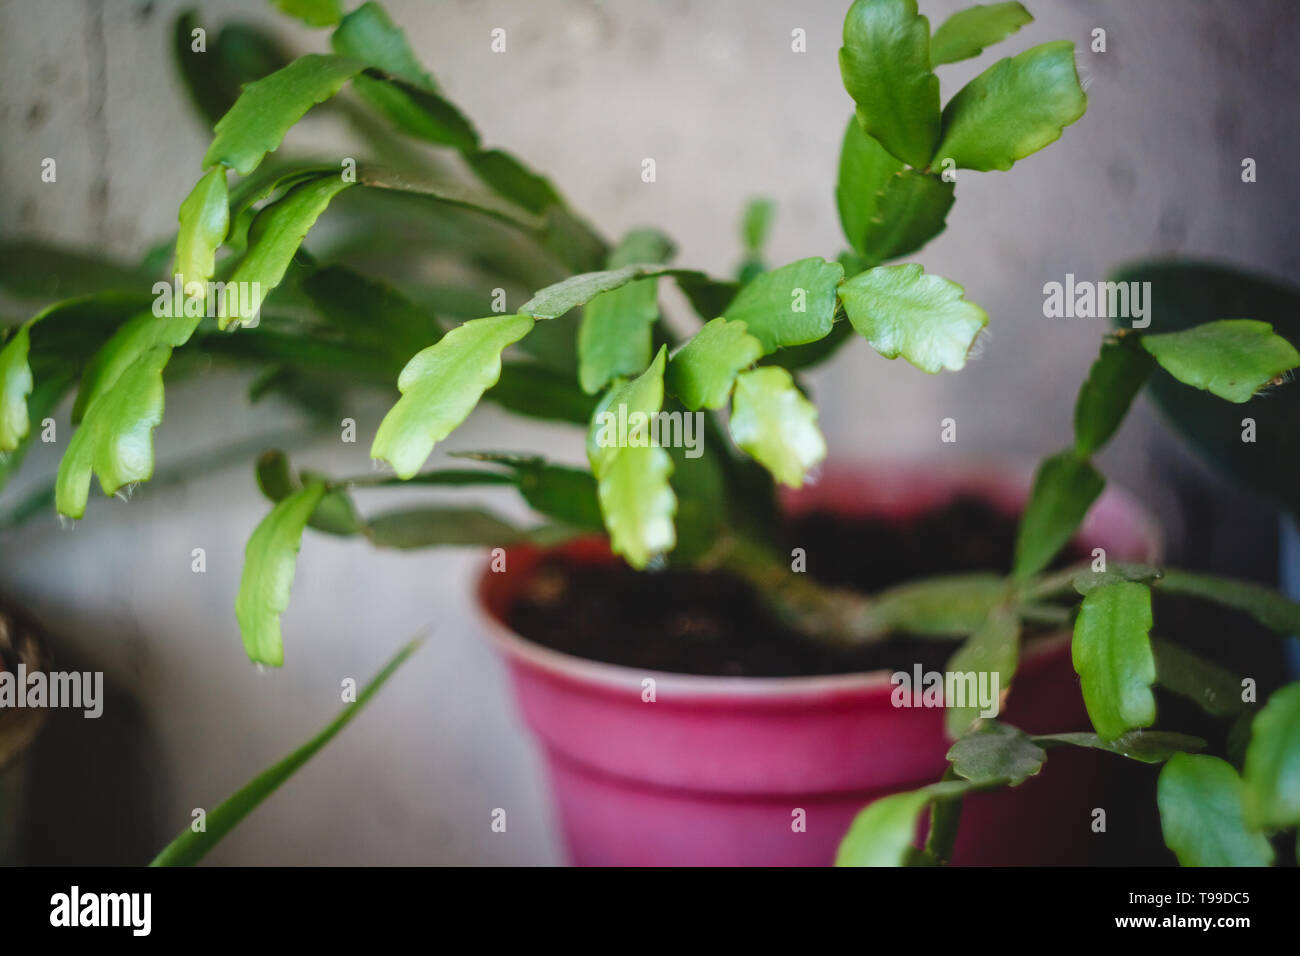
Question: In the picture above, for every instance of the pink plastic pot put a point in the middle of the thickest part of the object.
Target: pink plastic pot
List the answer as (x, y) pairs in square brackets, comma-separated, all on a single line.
[(716, 769)]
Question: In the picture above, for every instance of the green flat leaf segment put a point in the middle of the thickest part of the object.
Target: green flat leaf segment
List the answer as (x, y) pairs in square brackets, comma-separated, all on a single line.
[(1200, 801), (865, 170), (774, 424), (704, 370), (967, 32), (993, 649), (1064, 489), (885, 65), (133, 338), (1148, 746), (901, 311), (790, 305), (269, 107), (951, 605), (440, 387), (278, 232), (15, 385), (1104, 398), (270, 560), (1271, 795), (204, 220), (115, 440), (1231, 358), (996, 753), (1271, 609), (885, 832), (314, 13), (369, 35), (632, 475), (555, 300), (191, 846), (1012, 109), (1113, 658)]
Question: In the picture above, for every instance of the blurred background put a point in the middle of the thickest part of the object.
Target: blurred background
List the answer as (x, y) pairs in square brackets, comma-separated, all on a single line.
[(584, 92)]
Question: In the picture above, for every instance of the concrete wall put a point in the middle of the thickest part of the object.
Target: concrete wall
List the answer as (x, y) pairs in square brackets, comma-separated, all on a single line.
[(713, 92)]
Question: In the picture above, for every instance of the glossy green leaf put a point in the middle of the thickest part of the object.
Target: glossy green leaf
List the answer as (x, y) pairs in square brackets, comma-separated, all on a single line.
[(1147, 746), (440, 387), (633, 476), (15, 385), (992, 649), (277, 234), (703, 371), (1213, 689), (775, 425), (755, 225), (947, 606), (1112, 656), (417, 111), (555, 300), (192, 845), (369, 35), (865, 170), (247, 194), (1231, 358), (1104, 398), (966, 33), (439, 527), (513, 180), (204, 220), (274, 477), (912, 210), (267, 108), (1265, 605), (1201, 814), (115, 440), (1013, 109), (1065, 487), (1272, 772), (314, 13), (885, 65), (790, 305), (996, 753), (270, 560), (614, 339), (133, 338), (884, 833), (902, 311), (798, 357)]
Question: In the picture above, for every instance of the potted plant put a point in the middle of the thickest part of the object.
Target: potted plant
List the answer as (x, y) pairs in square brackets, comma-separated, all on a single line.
[(720, 672)]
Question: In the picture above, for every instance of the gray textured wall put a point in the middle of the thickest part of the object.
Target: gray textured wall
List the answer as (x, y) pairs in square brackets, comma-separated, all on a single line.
[(587, 89)]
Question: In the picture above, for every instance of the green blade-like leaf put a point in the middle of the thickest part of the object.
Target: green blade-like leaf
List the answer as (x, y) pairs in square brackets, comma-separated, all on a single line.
[(238, 55), (270, 560), (632, 476), (755, 225), (191, 845), (866, 168), (614, 339), (902, 311), (115, 440), (947, 606), (996, 753), (1272, 772), (1215, 690), (513, 180), (15, 385), (1013, 109), (1084, 581), (966, 33), (440, 387), (204, 220), (1112, 656), (133, 338), (314, 13), (267, 108), (993, 649), (1065, 487), (885, 65), (1104, 398), (439, 527), (568, 495), (369, 35), (1231, 358), (1201, 814), (912, 210), (555, 300), (775, 425), (884, 833), (702, 373), (1271, 609), (1148, 746), (278, 232), (790, 305), (417, 111)]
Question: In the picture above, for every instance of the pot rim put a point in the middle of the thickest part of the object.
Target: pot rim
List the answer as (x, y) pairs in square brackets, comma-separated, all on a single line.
[(1010, 475)]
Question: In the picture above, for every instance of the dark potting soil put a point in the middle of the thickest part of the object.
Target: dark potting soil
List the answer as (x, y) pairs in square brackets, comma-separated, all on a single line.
[(712, 623)]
